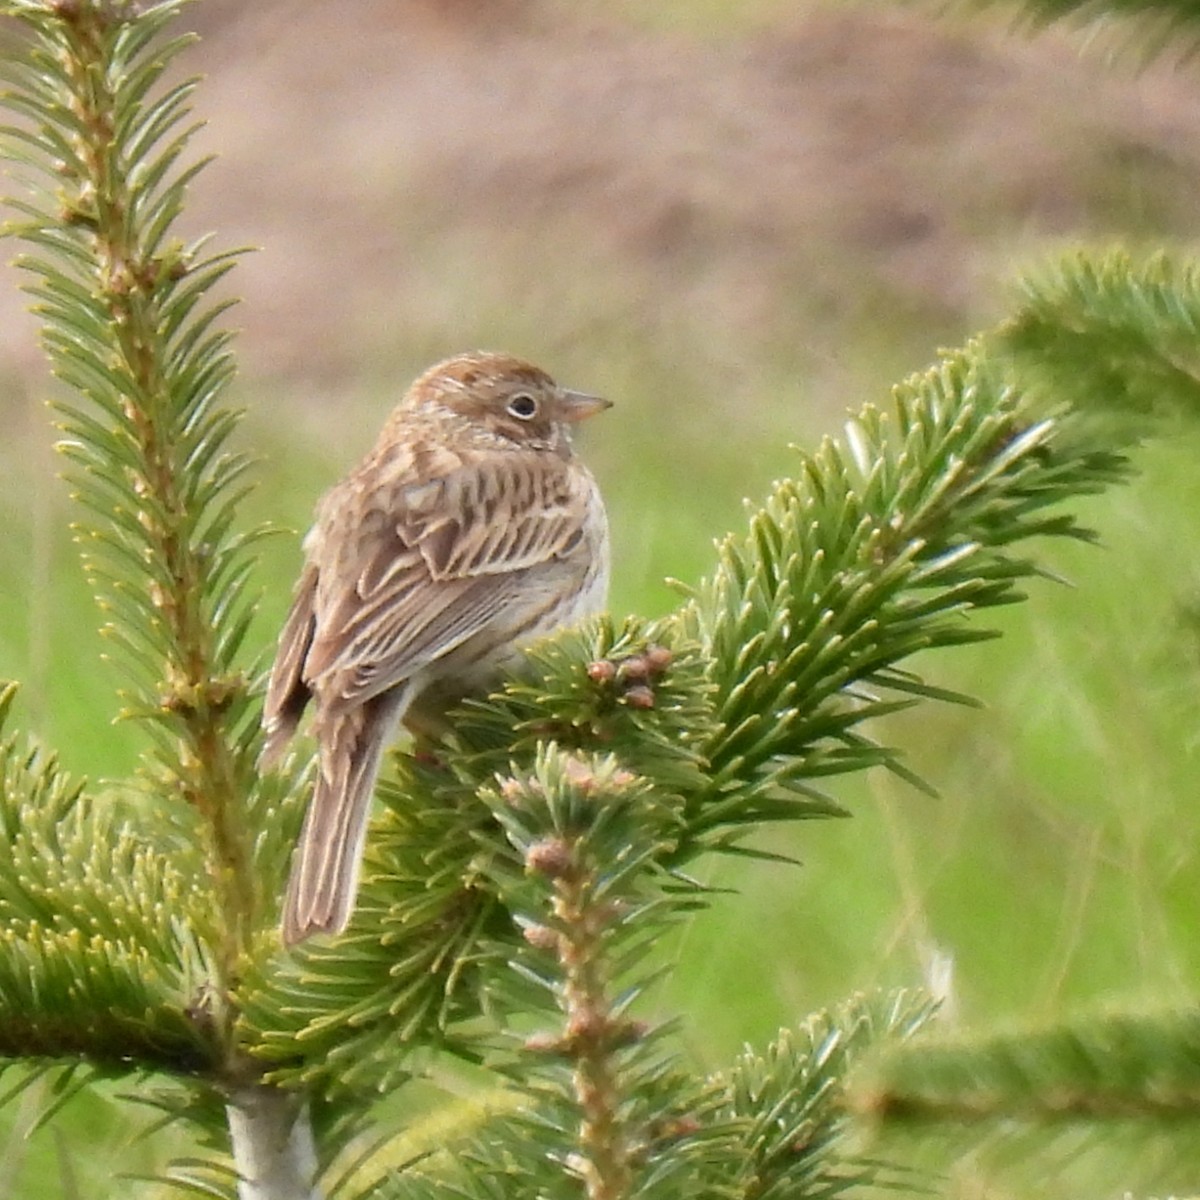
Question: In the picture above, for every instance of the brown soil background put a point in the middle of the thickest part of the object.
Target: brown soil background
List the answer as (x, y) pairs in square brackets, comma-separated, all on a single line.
[(424, 176)]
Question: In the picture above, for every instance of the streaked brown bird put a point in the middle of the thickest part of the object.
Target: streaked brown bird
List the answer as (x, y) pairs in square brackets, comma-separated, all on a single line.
[(470, 529)]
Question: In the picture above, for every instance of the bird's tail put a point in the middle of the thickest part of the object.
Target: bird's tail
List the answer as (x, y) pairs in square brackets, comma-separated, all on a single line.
[(325, 867)]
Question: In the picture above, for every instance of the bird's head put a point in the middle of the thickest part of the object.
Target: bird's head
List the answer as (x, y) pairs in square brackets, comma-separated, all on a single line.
[(500, 398)]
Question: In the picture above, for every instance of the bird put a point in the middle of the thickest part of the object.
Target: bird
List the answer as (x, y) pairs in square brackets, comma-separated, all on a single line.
[(470, 529)]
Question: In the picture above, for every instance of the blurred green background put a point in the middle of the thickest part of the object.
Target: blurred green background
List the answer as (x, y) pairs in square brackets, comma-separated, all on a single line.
[(738, 221)]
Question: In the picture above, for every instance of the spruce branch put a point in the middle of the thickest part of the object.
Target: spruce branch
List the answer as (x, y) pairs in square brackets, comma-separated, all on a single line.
[(572, 856), (1102, 1066), (1147, 28), (420, 957), (126, 942), (128, 324), (792, 1106), (1108, 332), (96, 960), (582, 831), (880, 548), (608, 1112)]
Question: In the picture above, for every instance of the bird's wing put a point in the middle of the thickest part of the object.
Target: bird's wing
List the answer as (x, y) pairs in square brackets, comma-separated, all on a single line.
[(287, 692), (427, 565)]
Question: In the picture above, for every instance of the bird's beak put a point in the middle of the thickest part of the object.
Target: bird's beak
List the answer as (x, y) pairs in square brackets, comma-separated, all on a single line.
[(578, 406)]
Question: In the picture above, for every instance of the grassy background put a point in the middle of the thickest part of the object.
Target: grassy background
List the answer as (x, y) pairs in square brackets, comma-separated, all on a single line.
[(1056, 866)]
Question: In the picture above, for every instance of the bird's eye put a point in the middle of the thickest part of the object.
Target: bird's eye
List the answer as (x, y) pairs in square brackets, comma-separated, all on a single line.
[(523, 406)]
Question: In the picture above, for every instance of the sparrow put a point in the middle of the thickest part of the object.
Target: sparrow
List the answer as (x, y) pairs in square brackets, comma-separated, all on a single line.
[(470, 529)]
